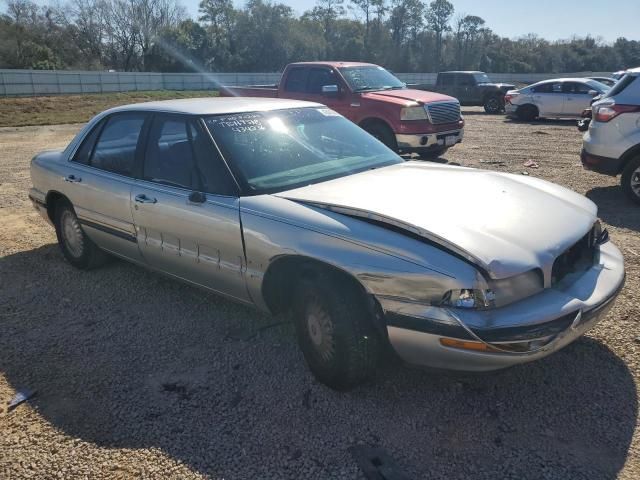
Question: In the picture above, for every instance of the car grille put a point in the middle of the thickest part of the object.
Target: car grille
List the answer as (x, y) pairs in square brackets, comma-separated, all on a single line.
[(443, 112), (577, 258)]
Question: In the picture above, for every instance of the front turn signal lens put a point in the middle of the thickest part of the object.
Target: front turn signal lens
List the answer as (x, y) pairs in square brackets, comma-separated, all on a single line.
[(466, 345)]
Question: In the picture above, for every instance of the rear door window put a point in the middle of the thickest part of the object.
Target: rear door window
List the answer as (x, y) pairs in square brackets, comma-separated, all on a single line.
[(548, 88), (297, 80), (115, 150), (83, 154)]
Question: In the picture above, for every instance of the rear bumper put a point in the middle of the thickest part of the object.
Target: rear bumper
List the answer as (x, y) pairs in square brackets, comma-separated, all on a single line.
[(599, 164), (537, 326), (417, 142)]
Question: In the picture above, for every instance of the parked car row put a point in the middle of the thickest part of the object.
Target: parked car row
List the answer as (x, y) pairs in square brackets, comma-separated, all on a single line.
[(288, 206)]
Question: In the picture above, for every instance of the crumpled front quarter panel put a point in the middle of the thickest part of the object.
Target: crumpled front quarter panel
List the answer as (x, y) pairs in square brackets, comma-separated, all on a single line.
[(386, 263)]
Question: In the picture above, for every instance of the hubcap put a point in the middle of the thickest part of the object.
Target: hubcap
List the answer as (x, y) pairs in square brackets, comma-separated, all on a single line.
[(320, 330), (493, 104), (72, 234), (635, 182)]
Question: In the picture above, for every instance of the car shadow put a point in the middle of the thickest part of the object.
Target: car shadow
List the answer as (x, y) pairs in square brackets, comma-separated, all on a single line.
[(544, 121), (124, 358), (615, 208)]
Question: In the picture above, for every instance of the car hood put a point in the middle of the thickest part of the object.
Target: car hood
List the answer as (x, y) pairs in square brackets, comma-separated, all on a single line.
[(408, 95), (506, 224)]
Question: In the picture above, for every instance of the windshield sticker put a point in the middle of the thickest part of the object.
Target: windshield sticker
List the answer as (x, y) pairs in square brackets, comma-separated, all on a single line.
[(240, 123), (327, 112)]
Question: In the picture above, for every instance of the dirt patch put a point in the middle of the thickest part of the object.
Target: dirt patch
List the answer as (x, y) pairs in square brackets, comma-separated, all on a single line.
[(61, 109), (141, 376)]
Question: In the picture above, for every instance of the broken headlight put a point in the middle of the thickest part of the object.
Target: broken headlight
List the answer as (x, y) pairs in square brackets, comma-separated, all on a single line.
[(495, 293), (469, 298)]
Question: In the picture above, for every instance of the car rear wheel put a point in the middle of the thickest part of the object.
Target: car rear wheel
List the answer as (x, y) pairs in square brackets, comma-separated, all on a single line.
[(383, 133), (335, 331), (527, 113), (493, 104), (630, 180), (76, 246)]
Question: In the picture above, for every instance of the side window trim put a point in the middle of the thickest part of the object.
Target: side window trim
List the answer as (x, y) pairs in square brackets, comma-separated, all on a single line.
[(222, 158), (97, 128)]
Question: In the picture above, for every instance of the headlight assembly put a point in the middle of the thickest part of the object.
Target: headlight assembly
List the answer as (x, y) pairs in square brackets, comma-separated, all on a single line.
[(497, 293), (414, 113)]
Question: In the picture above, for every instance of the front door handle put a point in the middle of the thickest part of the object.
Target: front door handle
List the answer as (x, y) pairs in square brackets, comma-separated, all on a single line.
[(72, 179), (142, 198)]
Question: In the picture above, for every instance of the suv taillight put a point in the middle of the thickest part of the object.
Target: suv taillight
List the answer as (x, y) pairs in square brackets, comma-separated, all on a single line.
[(607, 112), (508, 97)]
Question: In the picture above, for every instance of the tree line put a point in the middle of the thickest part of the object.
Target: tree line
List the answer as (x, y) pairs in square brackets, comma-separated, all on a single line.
[(263, 36)]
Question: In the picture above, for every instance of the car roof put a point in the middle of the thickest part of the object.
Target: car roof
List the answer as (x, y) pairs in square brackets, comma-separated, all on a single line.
[(215, 105), (463, 71), (568, 79), (334, 64)]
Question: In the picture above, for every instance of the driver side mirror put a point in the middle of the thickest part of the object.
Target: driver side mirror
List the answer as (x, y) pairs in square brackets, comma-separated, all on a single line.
[(330, 91), (594, 93)]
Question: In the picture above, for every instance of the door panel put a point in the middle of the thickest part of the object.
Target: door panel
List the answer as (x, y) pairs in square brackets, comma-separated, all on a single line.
[(201, 243), (102, 201)]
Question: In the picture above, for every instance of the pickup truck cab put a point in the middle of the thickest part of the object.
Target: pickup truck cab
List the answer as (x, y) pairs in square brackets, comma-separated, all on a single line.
[(405, 120), (471, 88)]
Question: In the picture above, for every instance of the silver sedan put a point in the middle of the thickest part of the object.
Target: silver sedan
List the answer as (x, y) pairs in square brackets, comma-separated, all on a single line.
[(289, 207)]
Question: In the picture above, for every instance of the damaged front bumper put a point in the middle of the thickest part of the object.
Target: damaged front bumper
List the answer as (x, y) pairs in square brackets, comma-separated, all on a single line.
[(476, 340)]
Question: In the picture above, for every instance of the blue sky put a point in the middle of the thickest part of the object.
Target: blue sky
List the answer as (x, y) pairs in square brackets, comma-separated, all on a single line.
[(552, 19)]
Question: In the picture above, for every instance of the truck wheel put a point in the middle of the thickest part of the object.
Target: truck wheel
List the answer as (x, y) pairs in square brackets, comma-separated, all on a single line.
[(77, 248), (630, 180), (382, 133), (527, 113), (335, 331), (493, 104)]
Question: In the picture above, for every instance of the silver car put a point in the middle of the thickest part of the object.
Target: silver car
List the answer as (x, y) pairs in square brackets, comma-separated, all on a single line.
[(557, 98), (289, 207)]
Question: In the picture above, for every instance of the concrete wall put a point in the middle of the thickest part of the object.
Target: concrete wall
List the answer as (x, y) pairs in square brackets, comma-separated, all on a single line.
[(45, 82)]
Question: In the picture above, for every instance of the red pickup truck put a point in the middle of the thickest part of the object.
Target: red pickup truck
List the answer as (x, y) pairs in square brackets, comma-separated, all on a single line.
[(406, 120)]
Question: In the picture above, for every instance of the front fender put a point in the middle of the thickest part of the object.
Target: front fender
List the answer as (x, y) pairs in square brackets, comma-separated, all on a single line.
[(386, 263)]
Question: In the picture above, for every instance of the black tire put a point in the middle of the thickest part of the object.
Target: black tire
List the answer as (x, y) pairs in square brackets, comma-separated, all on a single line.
[(383, 133), (493, 104), (630, 180), (433, 153), (335, 330), (527, 113), (76, 246)]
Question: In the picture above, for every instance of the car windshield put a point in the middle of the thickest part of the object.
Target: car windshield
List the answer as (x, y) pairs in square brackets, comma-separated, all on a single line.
[(274, 151), (370, 78), (598, 86), (481, 78)]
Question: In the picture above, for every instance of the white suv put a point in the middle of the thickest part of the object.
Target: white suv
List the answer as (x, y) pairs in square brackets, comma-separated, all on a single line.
[(612, 143)]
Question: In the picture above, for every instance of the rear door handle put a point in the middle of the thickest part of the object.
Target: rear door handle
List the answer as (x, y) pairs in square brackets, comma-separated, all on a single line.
[(142, 198), (72, 179)]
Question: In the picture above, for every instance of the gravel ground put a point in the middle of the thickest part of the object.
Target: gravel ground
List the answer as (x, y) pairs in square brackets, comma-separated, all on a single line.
[(139, 376)]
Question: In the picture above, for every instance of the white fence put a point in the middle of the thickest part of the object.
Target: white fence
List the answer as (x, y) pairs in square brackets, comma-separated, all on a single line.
[(47, 82)]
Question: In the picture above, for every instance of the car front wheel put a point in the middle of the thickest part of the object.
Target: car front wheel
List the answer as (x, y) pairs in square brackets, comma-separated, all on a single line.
[(630, 180), (335, 330), (77, 248)]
